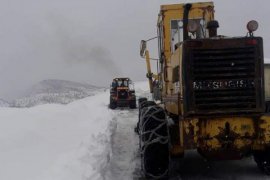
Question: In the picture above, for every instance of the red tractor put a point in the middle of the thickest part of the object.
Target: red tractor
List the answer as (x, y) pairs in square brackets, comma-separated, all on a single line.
[(122, 93)]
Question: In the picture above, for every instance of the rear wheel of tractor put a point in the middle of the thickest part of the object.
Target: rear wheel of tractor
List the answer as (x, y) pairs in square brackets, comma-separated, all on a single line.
[(154, 143), (132, 104), (140, 100), (262, 158), (113, 103)]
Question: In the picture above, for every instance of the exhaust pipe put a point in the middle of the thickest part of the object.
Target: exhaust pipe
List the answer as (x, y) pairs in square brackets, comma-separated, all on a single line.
[(187, 8)]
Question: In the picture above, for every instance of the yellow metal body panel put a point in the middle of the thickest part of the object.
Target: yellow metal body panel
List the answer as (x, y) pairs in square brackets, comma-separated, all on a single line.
[(215, 129), (173, 59), (264, 126), (148, 65), (242, 133), (149, 71)]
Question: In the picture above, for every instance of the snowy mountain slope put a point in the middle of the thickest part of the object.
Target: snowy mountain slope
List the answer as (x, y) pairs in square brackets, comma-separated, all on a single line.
[(59, 86), (4, 103), (55, 91)]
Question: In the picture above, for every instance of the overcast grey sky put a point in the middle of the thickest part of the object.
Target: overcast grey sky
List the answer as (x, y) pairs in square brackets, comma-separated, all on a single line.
[(91, 40)]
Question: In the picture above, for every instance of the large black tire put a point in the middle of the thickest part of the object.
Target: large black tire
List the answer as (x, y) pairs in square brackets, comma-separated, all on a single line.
[(140, 100), (143, 104), (113, 104), (262, 158), (154, 143), (267, 106), (132, 104)]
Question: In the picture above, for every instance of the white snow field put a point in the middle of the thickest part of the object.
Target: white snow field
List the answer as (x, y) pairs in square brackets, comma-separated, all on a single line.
[(56, 142), (85, 140)]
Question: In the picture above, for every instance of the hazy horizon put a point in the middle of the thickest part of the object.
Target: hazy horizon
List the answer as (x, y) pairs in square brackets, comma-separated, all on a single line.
[(93, 41)]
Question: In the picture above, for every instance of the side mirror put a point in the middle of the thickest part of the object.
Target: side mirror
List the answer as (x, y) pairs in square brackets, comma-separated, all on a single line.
[(142, 48)]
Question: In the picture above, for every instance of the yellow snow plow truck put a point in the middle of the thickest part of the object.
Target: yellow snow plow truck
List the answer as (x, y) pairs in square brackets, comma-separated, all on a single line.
[(208, 92)]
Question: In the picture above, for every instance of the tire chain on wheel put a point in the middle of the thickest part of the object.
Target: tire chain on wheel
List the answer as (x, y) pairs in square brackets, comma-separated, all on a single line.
[(142, 104), (154, 133)]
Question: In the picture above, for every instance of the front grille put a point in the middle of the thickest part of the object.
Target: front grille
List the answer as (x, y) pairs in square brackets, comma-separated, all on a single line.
[(224, 78), (122, 94), (224, 63)]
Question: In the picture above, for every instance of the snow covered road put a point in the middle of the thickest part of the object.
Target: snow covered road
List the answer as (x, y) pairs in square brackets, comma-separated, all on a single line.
[(125, 159), (125, 145)]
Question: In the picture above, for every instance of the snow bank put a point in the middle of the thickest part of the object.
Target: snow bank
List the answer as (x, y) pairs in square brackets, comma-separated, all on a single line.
[(61, 142), (142, 89)]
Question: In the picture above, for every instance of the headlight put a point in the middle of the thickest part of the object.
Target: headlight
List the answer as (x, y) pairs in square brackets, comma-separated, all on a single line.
[(252, 26)]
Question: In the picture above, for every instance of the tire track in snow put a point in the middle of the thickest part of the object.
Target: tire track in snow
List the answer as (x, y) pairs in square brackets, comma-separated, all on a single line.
[(124, 159)]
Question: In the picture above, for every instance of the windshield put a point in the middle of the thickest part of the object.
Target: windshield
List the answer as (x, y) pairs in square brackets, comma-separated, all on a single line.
[(122, 82), (177, 32)]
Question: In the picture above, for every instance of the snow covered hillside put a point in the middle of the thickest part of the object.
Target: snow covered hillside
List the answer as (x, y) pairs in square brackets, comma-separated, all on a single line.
[(4, 103), (56, 141), (55, 91)]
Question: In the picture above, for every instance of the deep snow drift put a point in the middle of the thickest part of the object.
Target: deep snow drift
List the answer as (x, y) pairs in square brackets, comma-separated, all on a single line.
[(61, 142)]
